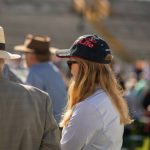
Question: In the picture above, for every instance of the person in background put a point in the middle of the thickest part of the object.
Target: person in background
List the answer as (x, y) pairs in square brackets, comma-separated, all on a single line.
[(62, 66), (18, 68), (26, 117), (96, 111), (43, 74), (8, 74)]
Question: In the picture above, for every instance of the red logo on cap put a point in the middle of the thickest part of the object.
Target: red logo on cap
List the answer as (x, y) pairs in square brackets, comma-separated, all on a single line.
[(89, 42)]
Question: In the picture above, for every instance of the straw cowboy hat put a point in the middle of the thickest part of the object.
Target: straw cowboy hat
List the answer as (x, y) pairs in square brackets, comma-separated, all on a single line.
[(36, 44), (3, 53)]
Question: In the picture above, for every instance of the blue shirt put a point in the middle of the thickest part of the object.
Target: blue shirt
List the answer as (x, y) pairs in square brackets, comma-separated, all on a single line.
[(94, 125), (47, 77)]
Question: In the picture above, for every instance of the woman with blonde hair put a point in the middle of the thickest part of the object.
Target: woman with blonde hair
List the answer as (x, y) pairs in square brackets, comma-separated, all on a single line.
[(96, 111)]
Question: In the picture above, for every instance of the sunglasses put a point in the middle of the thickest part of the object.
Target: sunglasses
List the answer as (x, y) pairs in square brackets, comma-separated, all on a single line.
[(69, 63)]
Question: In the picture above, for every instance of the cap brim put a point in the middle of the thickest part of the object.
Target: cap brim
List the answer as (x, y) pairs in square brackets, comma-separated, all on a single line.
[(22, 48), (64, 53), (7, 55)]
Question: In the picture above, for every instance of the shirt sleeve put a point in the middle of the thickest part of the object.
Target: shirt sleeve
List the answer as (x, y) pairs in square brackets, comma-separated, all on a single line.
[(80, 127), (51, 136)]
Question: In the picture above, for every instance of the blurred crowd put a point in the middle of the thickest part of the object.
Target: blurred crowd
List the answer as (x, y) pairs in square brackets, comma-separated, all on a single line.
[(135, 80)]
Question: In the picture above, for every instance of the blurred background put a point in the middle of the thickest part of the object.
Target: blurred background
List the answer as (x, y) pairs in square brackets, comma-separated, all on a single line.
[(124, 24)]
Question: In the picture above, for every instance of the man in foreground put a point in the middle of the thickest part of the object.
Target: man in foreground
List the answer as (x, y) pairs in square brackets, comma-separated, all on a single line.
[(26, 118)]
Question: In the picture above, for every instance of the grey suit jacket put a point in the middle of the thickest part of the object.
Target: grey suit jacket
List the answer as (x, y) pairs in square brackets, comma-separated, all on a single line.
[(26, 119)]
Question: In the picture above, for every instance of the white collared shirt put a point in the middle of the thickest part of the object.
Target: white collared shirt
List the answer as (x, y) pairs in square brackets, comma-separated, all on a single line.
[(94, 125)]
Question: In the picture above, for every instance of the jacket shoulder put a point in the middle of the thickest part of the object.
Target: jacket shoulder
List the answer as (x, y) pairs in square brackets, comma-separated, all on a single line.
[(32, 89)]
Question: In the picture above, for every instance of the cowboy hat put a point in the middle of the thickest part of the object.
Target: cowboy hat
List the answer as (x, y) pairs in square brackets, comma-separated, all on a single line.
[(36, 44), (53, 50), (3, 53)]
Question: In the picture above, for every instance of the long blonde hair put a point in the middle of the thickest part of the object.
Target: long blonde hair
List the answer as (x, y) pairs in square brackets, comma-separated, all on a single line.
[(90, 77)]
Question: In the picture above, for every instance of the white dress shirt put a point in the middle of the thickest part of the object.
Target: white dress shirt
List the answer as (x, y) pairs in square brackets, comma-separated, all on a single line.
[(94, 125)]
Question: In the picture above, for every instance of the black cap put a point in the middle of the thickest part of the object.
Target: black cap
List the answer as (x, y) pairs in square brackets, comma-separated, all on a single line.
[(89, 47)]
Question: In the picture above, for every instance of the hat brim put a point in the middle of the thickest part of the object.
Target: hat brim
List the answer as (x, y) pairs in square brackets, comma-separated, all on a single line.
[(63, 53), (7, 55), (53, 50), (22, 48)]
